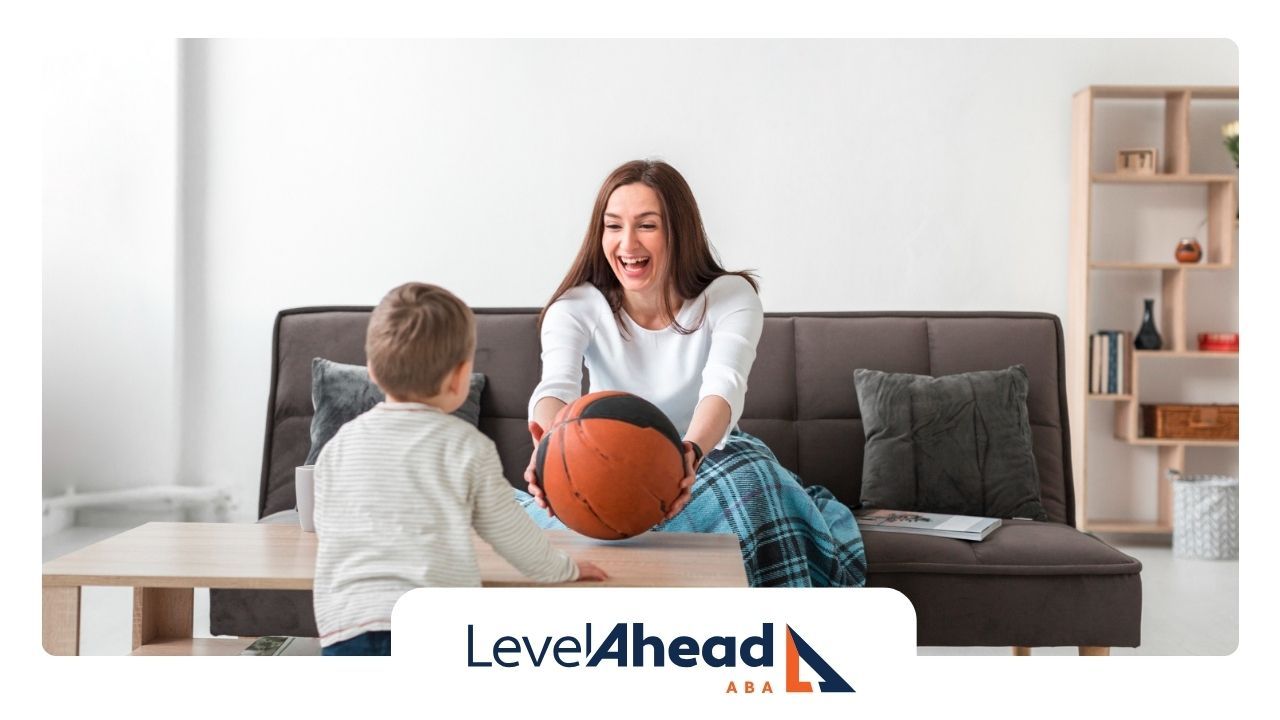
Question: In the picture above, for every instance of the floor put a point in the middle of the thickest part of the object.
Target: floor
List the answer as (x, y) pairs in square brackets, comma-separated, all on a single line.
[(1190, 607)]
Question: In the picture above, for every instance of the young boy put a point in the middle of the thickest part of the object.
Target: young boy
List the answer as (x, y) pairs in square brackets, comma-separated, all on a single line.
[(399, 488)]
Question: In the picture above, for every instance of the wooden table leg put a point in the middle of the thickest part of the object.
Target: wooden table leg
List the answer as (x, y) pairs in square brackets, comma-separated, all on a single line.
[(60, 621), (162, 614)]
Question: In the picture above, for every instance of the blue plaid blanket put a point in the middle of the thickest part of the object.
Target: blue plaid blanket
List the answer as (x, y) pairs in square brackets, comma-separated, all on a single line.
[(791, 536)]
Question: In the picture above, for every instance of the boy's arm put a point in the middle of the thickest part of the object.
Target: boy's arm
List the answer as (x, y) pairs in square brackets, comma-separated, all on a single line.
[(503, 524)]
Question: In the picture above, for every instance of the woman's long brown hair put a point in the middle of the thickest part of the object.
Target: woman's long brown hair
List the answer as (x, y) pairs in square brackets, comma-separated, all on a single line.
[(692, 263)]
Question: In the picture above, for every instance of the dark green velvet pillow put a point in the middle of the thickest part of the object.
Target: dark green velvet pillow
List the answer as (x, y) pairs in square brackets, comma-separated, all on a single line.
[(340, 393), (958, 444)]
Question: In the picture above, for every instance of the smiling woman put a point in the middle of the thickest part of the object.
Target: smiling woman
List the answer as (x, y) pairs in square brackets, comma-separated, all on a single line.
[(650, 311)]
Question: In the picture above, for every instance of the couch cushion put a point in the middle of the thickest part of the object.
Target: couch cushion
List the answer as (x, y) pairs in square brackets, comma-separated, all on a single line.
[(1031, 610), (956, 444), (1029, 583), (1017, 547)]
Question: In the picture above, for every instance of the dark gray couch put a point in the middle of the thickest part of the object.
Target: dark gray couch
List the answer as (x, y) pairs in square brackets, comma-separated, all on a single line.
[(1028, 584)]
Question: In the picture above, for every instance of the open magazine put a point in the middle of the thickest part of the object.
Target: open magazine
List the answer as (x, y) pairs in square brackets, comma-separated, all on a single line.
[(959, 527), (283, 645)]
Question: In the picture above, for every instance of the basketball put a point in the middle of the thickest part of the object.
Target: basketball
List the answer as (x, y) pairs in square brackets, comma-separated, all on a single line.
[(611, 464)]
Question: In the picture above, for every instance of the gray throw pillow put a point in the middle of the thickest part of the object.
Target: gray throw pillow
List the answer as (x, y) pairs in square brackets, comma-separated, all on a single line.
[(341, 393), (958, 444)]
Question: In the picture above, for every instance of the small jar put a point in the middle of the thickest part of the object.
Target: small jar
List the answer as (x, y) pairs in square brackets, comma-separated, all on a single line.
[(1188, 250)]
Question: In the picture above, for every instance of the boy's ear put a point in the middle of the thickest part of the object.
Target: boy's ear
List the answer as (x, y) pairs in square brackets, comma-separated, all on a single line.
[(461, 378)]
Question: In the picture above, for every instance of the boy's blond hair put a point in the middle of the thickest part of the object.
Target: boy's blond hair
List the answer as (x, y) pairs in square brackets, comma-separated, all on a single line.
[(417, 335)]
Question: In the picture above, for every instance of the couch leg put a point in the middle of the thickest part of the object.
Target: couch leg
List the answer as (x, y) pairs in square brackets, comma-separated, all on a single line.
[(1021, 651), (1094, 650)]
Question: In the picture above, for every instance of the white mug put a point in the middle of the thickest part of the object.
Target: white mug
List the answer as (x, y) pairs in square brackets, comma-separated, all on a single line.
[(304, 488)]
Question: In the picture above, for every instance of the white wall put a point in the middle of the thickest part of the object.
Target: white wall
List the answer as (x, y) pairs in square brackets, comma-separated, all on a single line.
[(109, 282), (867, 175)]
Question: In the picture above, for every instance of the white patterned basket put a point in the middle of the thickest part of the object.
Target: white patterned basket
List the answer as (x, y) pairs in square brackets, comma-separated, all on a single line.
[(1206, 516)]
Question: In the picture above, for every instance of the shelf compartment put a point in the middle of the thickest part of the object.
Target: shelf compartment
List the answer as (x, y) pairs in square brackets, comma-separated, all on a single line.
[(1127, 429)]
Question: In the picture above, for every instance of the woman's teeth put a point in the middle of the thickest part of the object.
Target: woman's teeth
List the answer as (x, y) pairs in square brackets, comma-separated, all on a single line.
[(634, 266)]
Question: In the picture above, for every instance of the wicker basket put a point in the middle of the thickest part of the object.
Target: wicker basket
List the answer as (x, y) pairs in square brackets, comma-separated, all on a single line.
[(1206, 516), (1191, 422)]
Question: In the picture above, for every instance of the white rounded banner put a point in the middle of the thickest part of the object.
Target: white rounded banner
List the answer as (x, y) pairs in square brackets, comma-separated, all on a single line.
[(713, 648)]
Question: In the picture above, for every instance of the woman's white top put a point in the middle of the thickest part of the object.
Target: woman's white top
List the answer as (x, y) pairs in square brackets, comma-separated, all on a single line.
[(670, 370)]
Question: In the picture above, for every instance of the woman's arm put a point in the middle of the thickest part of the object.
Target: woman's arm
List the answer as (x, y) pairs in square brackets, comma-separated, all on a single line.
[(735, 319), (543, 413), (710, 422), (566, 333)]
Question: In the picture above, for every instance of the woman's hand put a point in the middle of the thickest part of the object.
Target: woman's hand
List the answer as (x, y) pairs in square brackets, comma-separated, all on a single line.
[(692, 459), (530, 476)]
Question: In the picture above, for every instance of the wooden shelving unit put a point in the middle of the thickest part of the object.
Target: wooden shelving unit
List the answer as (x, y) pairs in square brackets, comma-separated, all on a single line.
[(1222, 225)]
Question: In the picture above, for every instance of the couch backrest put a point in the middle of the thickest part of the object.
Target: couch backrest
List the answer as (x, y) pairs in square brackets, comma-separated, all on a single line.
[(801, 398)]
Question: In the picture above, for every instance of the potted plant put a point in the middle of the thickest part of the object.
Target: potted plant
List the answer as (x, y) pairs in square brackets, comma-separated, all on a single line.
[(1231, 138)]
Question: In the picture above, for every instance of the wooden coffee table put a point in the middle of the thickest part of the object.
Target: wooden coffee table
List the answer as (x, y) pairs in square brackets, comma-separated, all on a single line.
[(164, 562)]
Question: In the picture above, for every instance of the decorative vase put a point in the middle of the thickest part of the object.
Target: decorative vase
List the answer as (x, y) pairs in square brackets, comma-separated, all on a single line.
[(1148, 338), (1188, 250)]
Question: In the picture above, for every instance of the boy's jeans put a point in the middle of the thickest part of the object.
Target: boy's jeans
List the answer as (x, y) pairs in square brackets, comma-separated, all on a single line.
[(370, 643)]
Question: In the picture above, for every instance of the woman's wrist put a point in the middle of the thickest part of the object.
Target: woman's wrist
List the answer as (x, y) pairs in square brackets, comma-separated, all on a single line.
[(697, 453), (544, 411)]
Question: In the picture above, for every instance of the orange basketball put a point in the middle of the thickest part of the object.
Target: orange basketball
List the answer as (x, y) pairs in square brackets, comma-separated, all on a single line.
[(611, 465)]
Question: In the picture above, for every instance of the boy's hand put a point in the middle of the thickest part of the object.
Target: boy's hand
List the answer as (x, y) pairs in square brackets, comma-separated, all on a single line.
[(588, 570), (531, 477), (691, 463)]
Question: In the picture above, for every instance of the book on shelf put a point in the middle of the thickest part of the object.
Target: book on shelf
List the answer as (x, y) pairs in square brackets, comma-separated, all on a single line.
[(283, 645), (1106, 361), (1108, 357), (1095, 360), (1126, 346), (1111, 361), (958, 527)]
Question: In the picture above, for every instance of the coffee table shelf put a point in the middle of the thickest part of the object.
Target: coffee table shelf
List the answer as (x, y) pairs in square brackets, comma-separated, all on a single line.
[(200, 647)]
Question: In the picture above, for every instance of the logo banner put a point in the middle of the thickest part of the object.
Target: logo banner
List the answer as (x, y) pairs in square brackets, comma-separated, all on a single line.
[(711, 648)]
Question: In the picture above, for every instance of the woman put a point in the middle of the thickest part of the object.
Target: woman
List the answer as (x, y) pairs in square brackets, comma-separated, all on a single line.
[(650, 311)]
